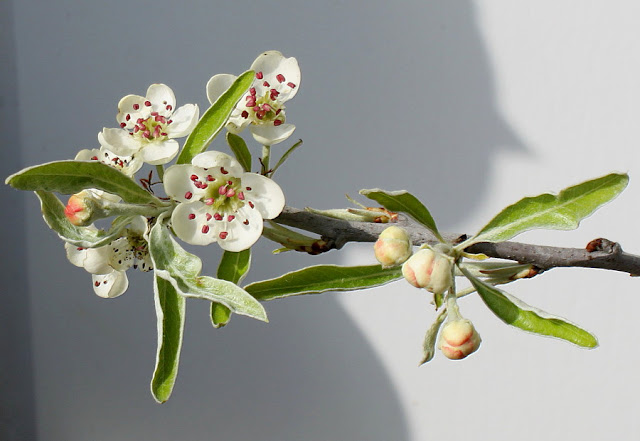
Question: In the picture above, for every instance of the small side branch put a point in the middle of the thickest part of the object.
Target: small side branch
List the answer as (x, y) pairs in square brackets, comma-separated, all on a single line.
[(599, 253)]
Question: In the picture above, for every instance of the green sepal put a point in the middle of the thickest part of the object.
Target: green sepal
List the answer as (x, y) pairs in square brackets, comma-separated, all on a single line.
[(430, 338), (69, 177), (515, 312), (233, 267), (215, 118), (182, 269), (170, 313), (405, 202), (53, 214), (555, 212), (240, 150), (323, 278)]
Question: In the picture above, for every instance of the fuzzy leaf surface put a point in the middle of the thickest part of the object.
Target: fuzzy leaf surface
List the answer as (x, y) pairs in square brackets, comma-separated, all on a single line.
[(517, 313), (170, 313), (214, 119), (323, 278), (69, 177), (233, 267), (556, 212), (240, 150), (182, 269)]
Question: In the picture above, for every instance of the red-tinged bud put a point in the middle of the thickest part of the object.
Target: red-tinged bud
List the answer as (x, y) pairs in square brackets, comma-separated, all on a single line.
[(458, 339), (393, 247), (78, 209), (430, 270)]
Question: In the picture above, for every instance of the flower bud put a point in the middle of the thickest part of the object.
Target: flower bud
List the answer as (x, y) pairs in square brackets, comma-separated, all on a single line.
[(430, 270), (79, 209), (458, 339), (393, 247)]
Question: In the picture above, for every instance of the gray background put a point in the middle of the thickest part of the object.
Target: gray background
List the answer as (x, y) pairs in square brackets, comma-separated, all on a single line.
[(469, 105)]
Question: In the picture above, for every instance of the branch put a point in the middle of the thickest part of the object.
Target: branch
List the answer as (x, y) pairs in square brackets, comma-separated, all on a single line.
[(599, 253)]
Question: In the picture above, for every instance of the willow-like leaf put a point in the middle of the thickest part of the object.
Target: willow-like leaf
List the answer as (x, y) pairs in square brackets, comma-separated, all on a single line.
[(233, 267), (240, 150)]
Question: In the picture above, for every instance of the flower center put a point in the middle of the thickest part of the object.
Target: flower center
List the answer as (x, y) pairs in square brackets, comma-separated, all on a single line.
[(153, 128), (265, 109)]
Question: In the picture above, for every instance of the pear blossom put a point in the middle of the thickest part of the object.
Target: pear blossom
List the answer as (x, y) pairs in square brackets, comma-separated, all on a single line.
[(262, 108), (108, 264), (149, 124), (219, 202)]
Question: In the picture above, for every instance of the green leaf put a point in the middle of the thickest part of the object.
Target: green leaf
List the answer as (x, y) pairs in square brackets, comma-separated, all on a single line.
[(322, 278), (69, 177), (516, 313), (182, 269), (233, 267), (240, 150), (215, 118), (561, 212), (405, 202), (285, 156), (53, 213), (170, 312)]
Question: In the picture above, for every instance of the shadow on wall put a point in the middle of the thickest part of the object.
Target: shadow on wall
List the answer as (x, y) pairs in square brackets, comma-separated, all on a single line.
[(391, 97)]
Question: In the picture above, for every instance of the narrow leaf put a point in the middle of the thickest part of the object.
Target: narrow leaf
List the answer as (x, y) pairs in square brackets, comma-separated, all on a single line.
[(53, 213), (516, 313), (182, 269), (561, 212), (322, 278), (233, 267), (68, 177), (215, 118), (285, 156), (170, 313), (405, 202), (240, 150)]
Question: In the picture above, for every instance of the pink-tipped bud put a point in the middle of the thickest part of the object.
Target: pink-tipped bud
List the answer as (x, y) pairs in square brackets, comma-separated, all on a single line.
[(393, 247), (458, 339), (430, 270), (78, 209)]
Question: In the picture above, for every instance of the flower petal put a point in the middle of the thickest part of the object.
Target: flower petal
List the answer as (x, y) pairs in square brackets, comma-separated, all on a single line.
[(119, 141), (279, 71), (218, 84), (110, 285), (130, 108), (183, 121), (93, 260), (269, 134), (159, 152), (266, 195), (214, 159), (243, 231), (178, 183), (162, 99), (188, 220)]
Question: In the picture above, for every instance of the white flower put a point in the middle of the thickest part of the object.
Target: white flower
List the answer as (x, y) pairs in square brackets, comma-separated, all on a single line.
[(128, 164), (262, 108), (108, 263), (219, 202), (149, 124)]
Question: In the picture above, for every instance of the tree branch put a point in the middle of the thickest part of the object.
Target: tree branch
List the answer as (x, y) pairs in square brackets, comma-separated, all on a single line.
[(599, 253)]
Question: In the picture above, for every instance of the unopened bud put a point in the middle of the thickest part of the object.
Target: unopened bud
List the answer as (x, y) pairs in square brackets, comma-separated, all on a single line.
[(79, 208), (458, 339), (393, 247), (430, 270)]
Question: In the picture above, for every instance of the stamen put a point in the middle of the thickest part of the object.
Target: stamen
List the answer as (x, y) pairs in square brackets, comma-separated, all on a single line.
[(188, 195), (192, 216), (136, 106), (246, 222), (241, 196), (96, 283), (208, 201), (209, 216), (123, 125), (194, 177), (231, 193), (280, 78), (248, 188), (291, 85), (210, 178), (244, 114), (222, 190), (277, 122), (266, 84), (259, 75), (223, 235), (147, 103), (230, 217), (251, 204), (217, 216), (205, 229), (223, 171)]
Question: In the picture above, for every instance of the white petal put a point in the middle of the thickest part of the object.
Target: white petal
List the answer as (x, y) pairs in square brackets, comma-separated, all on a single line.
[(139, 226), (177, 182), (266, 195), (159, 152), (110, 285), (218, 160), (93, 260), (272, 64), (268, 134), (191, 230), (127, 106), (218, 84), (119, 141), (162, 99), (183, 121), (241, 236), (86, 154)]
